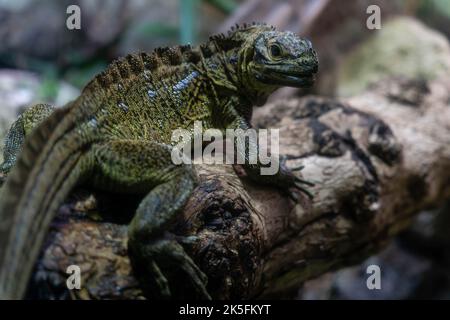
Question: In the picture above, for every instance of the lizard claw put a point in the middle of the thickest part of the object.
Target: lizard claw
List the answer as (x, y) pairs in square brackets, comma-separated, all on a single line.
[(160, 281), (298, 168), (298, 184), (300, 188), (189, 240), (169, 263), (302, 181)]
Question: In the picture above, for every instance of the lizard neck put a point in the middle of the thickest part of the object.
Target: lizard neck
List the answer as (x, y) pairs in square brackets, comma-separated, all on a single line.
[(222, 70)]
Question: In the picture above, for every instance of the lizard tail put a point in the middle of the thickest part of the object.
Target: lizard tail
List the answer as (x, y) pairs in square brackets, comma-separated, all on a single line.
[(45, 172)]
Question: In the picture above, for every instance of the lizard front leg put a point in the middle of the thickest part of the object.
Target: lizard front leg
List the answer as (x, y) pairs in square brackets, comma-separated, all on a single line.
[(159, 261), (15, 137), (284, 178)]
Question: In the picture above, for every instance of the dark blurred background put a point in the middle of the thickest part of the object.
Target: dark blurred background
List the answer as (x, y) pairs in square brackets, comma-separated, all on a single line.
[(41, 60)]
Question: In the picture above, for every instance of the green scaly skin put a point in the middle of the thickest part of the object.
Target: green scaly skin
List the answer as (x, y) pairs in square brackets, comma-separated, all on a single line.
[(117, 137)]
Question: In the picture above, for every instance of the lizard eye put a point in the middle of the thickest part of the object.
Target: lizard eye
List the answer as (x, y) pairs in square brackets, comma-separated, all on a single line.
[(275, 51)]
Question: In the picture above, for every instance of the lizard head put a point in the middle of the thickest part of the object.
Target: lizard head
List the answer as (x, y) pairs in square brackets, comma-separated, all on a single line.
[(260, 59), (271, 59), (283, 59)]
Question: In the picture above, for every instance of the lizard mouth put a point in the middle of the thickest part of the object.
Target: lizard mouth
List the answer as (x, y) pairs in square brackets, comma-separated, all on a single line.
[(287, 77)]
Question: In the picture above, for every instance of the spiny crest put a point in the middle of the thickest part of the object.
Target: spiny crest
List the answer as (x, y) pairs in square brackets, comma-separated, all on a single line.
[(245, 27), (134, 64), (234, 39)]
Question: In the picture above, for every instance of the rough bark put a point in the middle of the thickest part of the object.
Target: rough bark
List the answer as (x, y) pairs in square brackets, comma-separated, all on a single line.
[(377, 159)]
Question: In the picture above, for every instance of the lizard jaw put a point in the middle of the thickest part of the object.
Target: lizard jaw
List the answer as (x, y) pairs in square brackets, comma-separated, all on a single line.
[(296, 80)]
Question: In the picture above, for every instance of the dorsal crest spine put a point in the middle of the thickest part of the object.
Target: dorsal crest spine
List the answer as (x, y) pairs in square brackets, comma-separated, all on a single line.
[(134, 64)]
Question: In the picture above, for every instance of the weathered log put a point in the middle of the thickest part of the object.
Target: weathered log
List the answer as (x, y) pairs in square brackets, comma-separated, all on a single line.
[(377, 159)]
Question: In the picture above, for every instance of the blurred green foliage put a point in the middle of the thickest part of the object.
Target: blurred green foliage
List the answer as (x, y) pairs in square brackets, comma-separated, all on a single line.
[(80, 76), (157, 29), (428, 8), (226, 6), (188, 17), (443, 6), (49, 86), (189, 12)]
